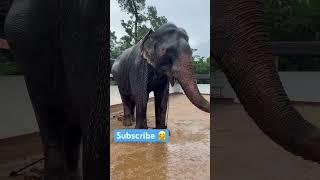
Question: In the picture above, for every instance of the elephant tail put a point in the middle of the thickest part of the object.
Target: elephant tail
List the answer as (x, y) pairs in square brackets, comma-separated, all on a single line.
[(4, 9)]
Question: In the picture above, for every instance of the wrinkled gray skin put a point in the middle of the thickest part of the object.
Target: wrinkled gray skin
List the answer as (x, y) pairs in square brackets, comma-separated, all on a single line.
[(61, 47), (160, 57), (240, 45)]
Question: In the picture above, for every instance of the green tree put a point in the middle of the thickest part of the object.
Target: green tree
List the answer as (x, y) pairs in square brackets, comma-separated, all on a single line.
[(134, 9), (141, 20), (115, 49), (153, 18), (201, 65), (294, 20)]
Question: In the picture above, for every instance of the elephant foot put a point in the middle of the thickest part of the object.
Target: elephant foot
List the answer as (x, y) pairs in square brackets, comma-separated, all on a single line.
[(54, 177), (161, 127), (75, 177), (141, 127), (127, 122)]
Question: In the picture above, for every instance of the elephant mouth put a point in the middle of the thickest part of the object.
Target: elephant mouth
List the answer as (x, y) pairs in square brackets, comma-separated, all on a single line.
[(172, 80)]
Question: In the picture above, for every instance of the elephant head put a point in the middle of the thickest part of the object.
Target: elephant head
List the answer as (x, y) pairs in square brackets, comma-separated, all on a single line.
[(167, 50), (241, 46)]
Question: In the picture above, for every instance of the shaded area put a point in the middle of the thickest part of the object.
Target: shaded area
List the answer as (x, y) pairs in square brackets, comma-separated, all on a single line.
[(185, 156), (17, 152), (242, 150)]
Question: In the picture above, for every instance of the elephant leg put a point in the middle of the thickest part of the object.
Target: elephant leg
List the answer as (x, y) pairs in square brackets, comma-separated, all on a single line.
[(50, 120), (37, 53), (54, 160), (51, 116), (141, 111), (84, 49), (161, 100), (71, 146), (132, 107), (128, 105)]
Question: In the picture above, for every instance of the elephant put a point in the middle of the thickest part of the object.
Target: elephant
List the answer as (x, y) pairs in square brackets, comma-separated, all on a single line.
[(240, 45), (62, 47), (161, 57)]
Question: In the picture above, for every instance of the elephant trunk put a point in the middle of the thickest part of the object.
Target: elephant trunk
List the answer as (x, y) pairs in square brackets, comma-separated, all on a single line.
[(182, 71), (242, 49)]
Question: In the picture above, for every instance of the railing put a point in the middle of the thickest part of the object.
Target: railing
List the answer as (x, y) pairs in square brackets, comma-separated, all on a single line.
[(283, 48)]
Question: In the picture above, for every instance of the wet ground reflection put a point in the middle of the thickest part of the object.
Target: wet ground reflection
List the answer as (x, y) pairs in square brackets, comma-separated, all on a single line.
[(185, 156)]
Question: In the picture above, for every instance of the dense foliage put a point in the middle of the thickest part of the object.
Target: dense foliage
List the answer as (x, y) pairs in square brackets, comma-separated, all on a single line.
[(142, 19), (294, 20)]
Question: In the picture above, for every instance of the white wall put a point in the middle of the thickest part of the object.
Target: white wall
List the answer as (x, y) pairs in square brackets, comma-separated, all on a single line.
[(203, 88), (300, 86), (17, 116), (115, 97), (16, 113)]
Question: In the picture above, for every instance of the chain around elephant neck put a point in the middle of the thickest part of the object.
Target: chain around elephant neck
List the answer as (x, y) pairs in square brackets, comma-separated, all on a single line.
[(167, 112)]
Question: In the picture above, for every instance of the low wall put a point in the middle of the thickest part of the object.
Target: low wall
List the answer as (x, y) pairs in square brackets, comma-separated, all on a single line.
[(17, 116), (116, 99), (16, 112), (300, 86)]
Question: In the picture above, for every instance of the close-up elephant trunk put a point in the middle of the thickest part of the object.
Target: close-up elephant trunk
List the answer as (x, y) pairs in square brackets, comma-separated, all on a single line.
[(182, 71), (179, 52), (241, 46)]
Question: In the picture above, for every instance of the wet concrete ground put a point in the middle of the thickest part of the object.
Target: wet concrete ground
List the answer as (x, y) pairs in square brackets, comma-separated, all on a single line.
[(186, 156), (17, 152), (242, 151)]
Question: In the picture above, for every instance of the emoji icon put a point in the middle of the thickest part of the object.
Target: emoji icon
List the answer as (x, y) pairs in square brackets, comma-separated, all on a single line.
[(162, 135)]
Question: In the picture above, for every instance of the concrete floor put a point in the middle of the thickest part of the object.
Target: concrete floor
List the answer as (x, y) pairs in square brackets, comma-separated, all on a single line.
[(186, 156), (17, 152), (242, 151)]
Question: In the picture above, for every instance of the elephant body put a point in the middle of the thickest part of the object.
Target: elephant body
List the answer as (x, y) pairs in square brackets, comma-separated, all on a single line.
[(136, 79), (61, 47), (149, 66)]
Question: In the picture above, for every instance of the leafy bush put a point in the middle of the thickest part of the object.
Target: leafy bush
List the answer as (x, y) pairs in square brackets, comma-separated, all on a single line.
[(9, 68)]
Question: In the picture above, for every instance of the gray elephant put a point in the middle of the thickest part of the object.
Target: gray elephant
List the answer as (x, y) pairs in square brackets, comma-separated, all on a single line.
[(240, 44), (161, 57), (61, 46)]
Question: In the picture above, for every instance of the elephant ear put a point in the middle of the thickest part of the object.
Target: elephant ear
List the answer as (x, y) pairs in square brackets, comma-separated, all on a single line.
[(144, 48)]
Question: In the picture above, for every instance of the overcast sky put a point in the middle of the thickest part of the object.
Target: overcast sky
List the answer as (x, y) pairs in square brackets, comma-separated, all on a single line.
[(192, 15)]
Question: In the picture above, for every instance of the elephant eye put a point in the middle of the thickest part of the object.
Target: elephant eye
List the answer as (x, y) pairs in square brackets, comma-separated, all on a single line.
[(171, 51), (166, 61)]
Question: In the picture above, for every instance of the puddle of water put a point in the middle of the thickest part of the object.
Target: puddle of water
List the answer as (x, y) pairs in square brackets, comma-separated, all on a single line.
[(186, 156)]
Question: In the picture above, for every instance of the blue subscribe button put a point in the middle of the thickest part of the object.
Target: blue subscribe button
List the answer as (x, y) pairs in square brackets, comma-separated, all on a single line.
[(141, 135)]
